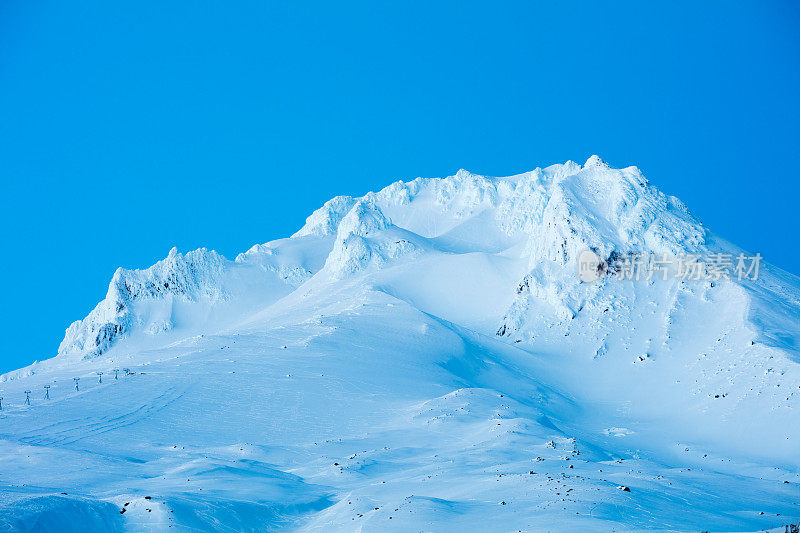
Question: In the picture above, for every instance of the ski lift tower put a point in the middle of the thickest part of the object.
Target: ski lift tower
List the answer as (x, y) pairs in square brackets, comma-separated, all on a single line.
[(27, 397), (47, 392), (76, 380)]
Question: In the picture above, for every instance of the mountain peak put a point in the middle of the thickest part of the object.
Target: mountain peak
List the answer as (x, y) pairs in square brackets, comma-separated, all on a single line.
[(464, 174), (543, 218), (594, 161)]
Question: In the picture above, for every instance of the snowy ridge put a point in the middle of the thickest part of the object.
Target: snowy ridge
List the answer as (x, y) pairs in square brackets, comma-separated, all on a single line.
[(191, 276), (357, 247), (325, 220), (180, 295), (544, 217)]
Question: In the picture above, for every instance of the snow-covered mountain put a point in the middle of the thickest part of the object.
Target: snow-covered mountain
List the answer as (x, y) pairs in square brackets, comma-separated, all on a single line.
[(425, 357)]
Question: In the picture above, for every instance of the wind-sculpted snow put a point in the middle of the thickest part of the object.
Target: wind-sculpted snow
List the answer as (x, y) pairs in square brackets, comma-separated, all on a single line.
[(195, 275), (365, 237), (182, 292), (424, 357), (326, 219), (606, 210)]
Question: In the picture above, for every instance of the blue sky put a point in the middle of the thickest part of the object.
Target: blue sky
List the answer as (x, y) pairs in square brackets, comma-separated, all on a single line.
[(127, 128)]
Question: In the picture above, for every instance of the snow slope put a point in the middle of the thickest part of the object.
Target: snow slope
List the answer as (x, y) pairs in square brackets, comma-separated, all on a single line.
[(423, 358)]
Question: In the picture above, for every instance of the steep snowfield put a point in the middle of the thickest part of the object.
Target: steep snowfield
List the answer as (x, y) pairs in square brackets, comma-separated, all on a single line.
[(423, 358)]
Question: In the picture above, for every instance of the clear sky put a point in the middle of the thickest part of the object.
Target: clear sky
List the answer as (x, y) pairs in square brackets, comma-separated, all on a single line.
[(127, 128)]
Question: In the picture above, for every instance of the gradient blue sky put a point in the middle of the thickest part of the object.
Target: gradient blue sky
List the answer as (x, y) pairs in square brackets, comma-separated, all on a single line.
[(127, 128)]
